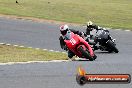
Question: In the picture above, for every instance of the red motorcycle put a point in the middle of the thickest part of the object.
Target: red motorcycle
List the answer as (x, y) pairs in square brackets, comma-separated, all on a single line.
[(80, 47)]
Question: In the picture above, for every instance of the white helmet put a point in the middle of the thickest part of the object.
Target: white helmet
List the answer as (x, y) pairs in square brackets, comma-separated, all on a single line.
[(64, 29)]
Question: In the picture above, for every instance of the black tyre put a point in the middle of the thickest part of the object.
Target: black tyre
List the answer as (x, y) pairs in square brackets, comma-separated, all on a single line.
[(112, 47), (86, 54)]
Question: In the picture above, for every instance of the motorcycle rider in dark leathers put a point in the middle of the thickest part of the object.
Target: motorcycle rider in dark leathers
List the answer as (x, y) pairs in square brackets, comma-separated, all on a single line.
[(91, 27)]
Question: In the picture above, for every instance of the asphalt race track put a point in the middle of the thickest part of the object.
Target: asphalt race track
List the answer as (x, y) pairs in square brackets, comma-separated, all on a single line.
[(58, 74)]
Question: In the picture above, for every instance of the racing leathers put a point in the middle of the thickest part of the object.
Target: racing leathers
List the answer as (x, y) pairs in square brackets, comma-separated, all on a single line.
[(63, 45), (92, 37)]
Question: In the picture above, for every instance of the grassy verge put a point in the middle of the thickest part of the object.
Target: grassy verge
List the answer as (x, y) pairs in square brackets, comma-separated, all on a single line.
[(17, 54), (107, 13)]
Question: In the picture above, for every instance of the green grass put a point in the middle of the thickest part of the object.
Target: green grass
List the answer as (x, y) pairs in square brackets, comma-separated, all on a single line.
[(17, 54), (106, 13)]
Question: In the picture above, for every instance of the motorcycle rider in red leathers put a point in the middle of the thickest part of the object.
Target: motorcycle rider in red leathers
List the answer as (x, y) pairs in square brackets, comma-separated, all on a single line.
[(65, 35)]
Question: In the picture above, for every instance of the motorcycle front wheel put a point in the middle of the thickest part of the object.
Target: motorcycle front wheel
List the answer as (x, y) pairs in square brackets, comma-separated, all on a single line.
[(112, 47), (86, 54)]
